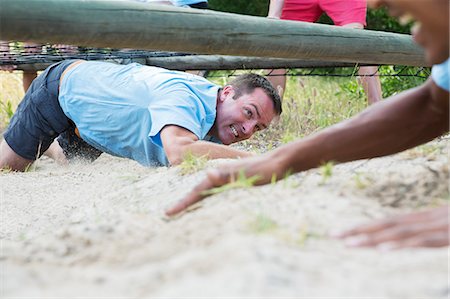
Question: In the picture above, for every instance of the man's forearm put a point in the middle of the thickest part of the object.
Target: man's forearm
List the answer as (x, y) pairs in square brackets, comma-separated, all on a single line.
[(403, 121), (214, 151)]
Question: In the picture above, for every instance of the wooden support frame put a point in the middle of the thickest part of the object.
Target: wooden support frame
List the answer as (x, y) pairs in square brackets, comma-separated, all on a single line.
[(128, 24)]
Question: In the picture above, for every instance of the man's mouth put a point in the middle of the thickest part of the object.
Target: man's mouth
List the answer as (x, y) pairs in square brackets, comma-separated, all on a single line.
[(234, 131)]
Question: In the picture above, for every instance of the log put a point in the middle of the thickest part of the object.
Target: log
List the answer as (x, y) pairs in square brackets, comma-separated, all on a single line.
[(209, 62), (129, 24), (218, 62)]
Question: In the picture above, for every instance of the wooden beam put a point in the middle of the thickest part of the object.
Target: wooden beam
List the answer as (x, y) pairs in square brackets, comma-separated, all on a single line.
[(218, 62), (129, 24), (213, 62)]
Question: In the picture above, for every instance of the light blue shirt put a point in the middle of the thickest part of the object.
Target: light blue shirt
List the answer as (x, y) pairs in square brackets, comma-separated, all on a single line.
[(121, 109), (440, 75)]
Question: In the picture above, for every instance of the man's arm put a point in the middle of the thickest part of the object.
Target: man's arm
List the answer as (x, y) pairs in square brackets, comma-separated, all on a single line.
[(398, 123), (177, 142), (411, 118)]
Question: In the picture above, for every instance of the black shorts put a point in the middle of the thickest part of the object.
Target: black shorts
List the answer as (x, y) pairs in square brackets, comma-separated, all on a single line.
[(39, 118)]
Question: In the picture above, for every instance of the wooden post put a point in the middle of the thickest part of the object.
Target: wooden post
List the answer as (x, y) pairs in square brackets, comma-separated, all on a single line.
[(129, 24)]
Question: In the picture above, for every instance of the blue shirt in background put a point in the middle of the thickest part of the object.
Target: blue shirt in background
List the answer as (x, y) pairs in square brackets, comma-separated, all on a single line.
[(121, 109), (440, 75), (186, 2)]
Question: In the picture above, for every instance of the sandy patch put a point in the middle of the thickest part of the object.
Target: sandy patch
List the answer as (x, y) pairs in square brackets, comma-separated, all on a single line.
[(97, 230)]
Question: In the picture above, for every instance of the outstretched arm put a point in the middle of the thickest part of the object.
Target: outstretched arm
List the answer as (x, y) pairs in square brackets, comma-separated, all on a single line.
[(398, 123), (178, 142)]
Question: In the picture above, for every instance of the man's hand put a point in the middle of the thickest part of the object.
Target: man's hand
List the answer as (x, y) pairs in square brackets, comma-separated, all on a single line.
[(264, 167), (423, 229), (215, 178), (178, 142)]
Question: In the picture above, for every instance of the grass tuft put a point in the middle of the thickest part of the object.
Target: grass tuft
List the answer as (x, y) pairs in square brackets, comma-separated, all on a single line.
[(327, 171), (262, 224), (240, 182), (192, 164)]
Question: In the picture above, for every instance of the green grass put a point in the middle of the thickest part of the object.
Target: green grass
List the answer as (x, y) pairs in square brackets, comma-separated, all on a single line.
[(240, 182), (327, 171), (262, 224), (192, 163), (11, 93)]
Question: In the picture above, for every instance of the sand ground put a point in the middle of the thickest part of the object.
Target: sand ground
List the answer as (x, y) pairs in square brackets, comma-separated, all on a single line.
[(98, 230)]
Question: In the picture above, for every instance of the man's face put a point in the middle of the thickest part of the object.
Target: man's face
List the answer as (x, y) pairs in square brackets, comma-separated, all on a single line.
[(432, 28), (238, 119)]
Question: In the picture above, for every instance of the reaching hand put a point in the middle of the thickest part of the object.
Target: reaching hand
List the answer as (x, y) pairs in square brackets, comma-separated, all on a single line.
[(263, 168), (423, 229)]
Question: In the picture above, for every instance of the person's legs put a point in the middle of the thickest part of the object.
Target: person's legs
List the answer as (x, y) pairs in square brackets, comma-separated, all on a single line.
[(294, 10), (352, 14), (301, 10), (278, 80), (56, 153), (37, 122), (70, 147), (10, 160), (368, 76)]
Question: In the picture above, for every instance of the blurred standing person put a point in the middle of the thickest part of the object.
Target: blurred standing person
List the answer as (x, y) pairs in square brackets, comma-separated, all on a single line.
[(344, 13)]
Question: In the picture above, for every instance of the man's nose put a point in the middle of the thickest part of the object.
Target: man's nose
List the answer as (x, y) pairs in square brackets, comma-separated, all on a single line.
[(249, 127)]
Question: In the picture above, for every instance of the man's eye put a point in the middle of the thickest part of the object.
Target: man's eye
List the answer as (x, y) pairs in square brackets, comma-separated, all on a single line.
[(248, 112)]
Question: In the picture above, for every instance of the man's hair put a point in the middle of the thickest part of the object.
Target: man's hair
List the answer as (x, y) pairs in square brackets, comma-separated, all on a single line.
[(245, 84)]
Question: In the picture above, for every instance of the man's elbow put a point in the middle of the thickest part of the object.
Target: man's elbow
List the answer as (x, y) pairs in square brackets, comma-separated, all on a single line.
[(174, 156), (177, 153)]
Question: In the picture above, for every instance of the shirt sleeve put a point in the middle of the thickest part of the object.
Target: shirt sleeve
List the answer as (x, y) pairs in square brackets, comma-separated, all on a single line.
[(182, 109), (440, 75)]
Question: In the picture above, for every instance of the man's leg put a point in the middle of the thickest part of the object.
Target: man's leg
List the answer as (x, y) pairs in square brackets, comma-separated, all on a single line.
[(37, 121), (56, 152), (69, 147), (368, 75), (10, 160)]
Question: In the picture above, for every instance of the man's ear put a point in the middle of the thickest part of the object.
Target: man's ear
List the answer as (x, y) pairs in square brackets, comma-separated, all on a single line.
[(227, 91)]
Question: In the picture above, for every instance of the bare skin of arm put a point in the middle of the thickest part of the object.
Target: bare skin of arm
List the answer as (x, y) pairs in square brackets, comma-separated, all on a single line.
[(275, 8), (401, 122), (178, 142)]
